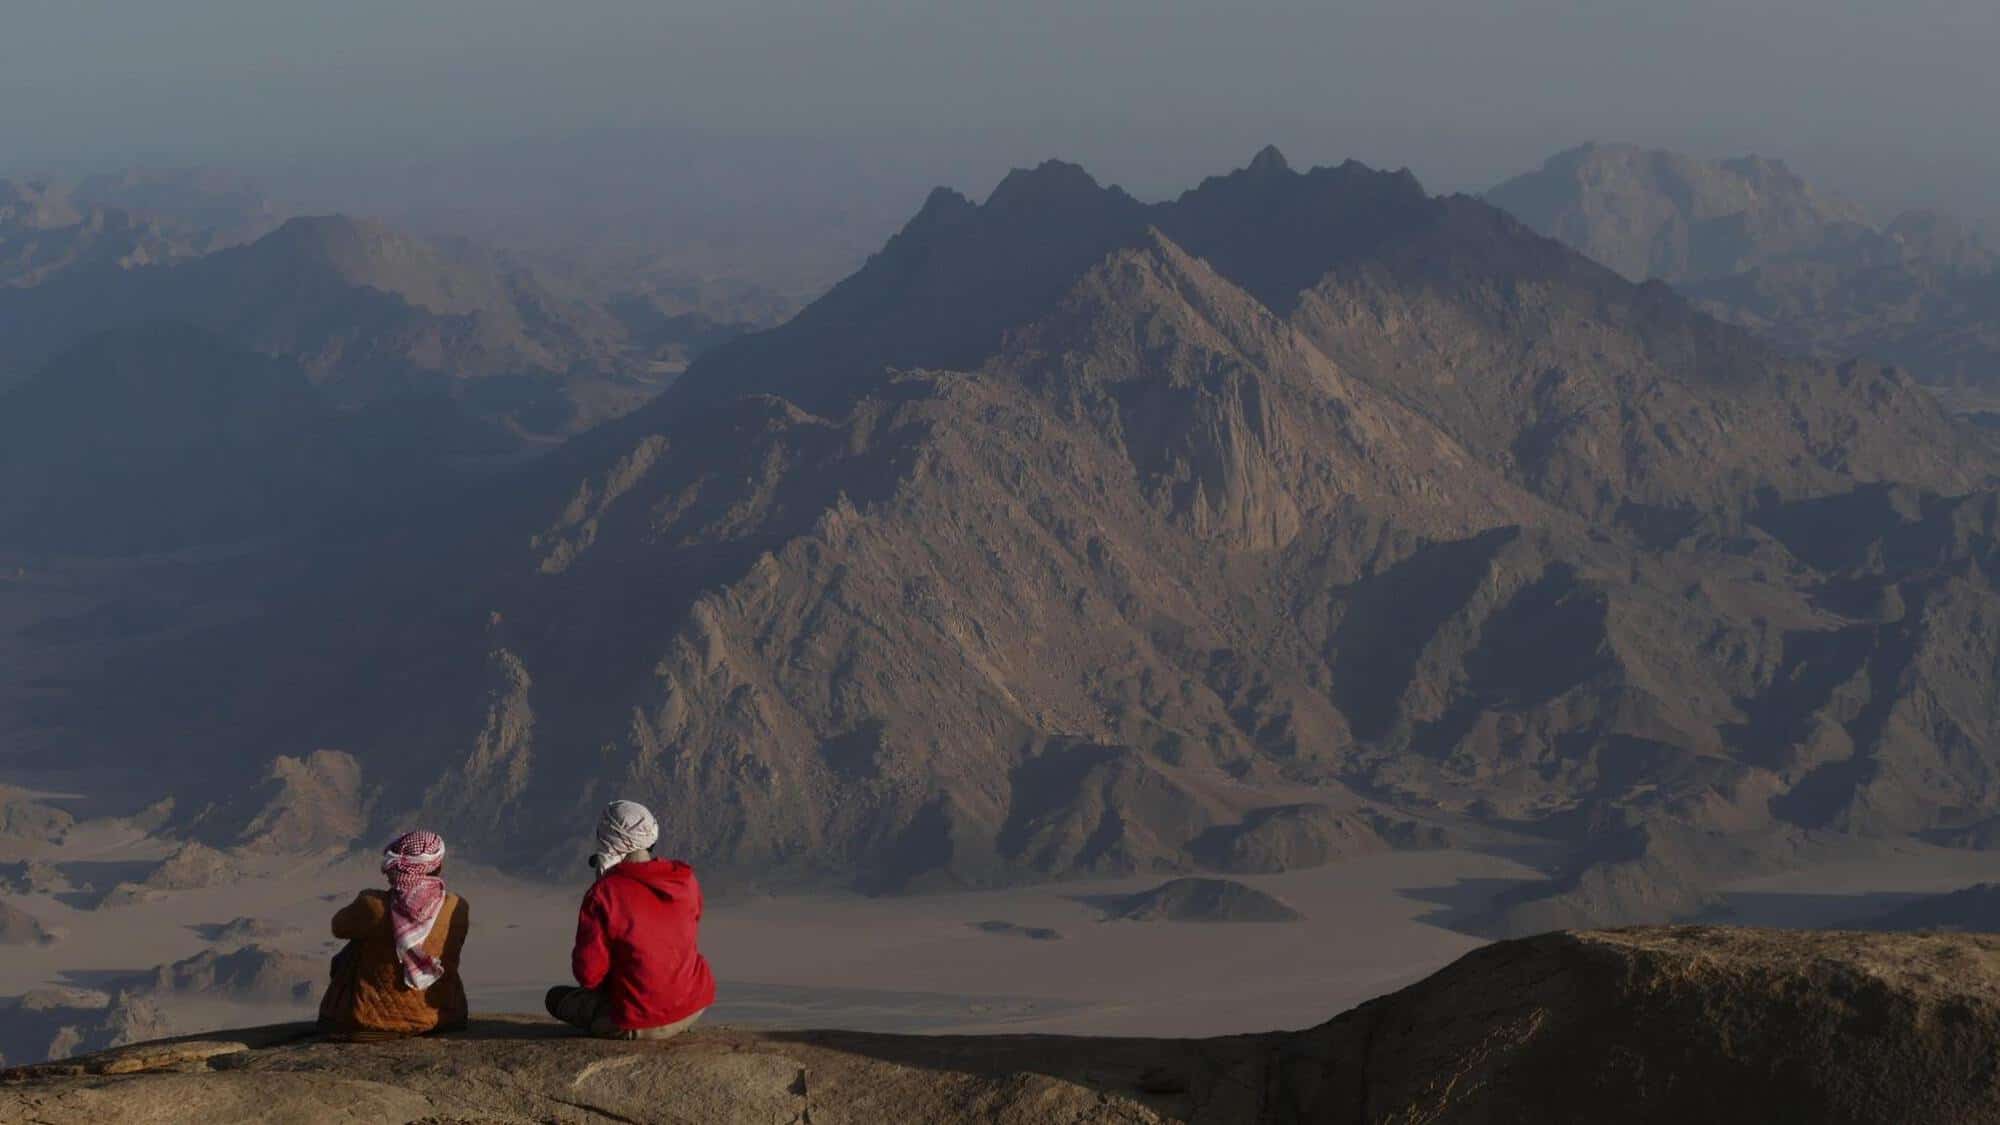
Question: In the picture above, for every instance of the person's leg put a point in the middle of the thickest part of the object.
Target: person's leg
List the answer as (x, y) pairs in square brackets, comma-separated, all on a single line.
[(667, 1031), (574, 1006)]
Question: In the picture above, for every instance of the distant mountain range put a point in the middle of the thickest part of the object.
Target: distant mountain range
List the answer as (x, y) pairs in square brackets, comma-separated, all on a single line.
[(386, 358), (366, 311), (1072, 534), (46, 232), (1753, 243)]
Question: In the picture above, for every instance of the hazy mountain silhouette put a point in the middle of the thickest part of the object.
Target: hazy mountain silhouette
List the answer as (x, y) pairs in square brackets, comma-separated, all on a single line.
[(369, 314), (1073, 534), (1753, 243), (46, 232), (228, 207), (1649, 213)]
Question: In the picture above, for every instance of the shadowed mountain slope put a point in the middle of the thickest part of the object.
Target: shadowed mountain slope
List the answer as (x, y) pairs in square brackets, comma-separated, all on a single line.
[(162, 436)]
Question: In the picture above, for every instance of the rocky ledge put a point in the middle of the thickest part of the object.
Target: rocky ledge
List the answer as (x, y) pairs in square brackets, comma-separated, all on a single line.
[(1675, 1024)]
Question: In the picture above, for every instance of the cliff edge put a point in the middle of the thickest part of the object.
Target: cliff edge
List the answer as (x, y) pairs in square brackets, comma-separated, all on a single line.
[(1669, 1024)]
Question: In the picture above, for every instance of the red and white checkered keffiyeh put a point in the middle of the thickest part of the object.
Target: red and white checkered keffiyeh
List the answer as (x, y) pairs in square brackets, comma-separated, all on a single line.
[(416, 895)]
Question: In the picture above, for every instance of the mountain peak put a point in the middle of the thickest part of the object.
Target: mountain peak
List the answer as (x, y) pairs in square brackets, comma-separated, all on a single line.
[(1269, 160), (1050, 182), (941, 208), (324, 230)]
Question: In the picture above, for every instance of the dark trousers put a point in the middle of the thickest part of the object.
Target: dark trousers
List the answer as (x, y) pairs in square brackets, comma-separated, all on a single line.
[(582, 1008)]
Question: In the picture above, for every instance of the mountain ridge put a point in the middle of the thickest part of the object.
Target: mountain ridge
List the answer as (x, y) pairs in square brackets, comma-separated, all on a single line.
[(1469, 530)]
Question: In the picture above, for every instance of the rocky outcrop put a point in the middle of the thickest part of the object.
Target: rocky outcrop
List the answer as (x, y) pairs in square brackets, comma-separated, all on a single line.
[(191, 867), (18, 927), (240, 930), (26, 819), (1638, 1026), (32, 877), (1200, 900), (313, 803), (1287, 837), (55, 1023), (253, 972)]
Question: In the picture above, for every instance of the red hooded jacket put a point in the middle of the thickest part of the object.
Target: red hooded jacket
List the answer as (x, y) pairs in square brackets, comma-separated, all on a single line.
[(636, 947)]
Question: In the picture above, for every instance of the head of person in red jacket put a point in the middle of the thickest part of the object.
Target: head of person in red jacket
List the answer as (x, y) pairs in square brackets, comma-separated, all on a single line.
[(638, 963)]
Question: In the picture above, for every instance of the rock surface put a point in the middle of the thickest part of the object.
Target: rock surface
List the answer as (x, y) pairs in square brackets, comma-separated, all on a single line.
[(1663, 1025)]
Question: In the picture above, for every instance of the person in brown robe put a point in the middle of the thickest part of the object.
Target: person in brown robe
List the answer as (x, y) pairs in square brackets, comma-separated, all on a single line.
[(385, 989)]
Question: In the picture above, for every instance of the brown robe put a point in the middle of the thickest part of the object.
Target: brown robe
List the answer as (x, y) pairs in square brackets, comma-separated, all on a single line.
[(366, 998)]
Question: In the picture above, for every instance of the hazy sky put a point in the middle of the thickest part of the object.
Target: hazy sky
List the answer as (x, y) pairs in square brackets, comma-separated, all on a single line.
[(1889, 101)]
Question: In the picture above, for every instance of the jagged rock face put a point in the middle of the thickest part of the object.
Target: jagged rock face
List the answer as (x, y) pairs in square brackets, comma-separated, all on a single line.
[(1071, 531), (307, 804), (1642, 1026), (1670, 415)]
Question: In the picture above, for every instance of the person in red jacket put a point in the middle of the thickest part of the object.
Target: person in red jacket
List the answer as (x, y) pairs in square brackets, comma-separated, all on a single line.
[(637, 959)]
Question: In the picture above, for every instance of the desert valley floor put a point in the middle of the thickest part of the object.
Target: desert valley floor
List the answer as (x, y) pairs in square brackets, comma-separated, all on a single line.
[(921, 963)]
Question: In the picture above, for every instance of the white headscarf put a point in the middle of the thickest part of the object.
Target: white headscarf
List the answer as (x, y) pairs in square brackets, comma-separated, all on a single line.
[(625, 827)]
